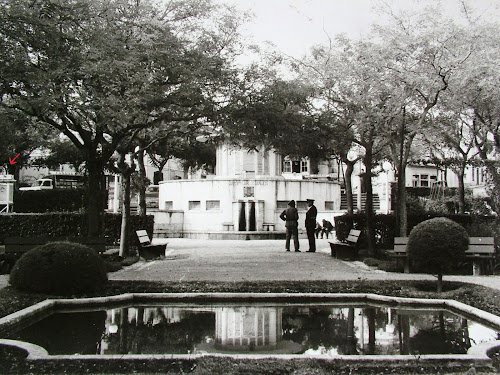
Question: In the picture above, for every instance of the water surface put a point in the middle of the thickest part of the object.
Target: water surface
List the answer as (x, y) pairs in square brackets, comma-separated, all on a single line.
[(264, 329)]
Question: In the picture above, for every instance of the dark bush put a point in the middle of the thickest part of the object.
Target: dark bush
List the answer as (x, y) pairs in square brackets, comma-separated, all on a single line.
[(67, 224), (385, 226), (55, 200), (60, 268), (437, 245)]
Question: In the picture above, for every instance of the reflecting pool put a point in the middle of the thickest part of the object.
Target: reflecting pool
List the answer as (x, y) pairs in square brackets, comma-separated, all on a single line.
[(259, 329)]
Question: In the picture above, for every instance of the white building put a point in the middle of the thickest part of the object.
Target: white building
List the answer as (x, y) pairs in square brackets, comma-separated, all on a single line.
[(246, 195)]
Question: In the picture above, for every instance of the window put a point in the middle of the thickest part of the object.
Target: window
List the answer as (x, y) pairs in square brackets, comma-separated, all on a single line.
[(303, 166), (281, 205), (295, 166), (329, 205), (414, 180), (213, 205), (287, 166), (266, 163), (194, 205), (249, 161), (169, 205), (302, 205), (424, 180)]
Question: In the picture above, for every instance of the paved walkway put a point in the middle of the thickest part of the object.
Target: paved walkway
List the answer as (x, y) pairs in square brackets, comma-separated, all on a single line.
[(259, 260)]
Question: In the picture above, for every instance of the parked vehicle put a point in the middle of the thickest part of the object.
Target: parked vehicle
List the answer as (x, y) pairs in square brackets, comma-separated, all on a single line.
[(152, 196), (57, 181)]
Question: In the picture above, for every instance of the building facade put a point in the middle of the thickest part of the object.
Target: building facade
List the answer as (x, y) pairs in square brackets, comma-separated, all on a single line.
[(246, 195)]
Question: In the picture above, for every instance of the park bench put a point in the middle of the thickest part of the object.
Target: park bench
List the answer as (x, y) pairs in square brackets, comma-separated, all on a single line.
[(346, 250), (268, 227), (15, 247), (480, 249), (228, 226), (147, 250)]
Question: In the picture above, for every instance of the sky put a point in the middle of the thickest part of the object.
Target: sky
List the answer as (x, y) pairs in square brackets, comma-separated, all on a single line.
[(294, 26)]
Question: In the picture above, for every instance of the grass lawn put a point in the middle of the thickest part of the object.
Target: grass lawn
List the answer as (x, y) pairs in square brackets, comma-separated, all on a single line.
[(477, 296)]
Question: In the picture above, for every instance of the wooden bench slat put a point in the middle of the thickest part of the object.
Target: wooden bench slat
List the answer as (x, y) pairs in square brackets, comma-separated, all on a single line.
[(481, 240), (488, 249), (401, 240), (352, 238)]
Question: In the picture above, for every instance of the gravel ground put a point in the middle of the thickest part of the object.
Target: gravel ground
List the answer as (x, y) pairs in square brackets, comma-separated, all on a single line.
[(261, 260)]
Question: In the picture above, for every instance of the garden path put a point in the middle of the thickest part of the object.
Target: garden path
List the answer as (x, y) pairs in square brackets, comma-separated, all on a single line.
[(259, 260)]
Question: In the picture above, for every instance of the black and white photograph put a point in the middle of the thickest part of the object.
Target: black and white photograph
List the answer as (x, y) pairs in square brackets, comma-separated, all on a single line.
[(290, 187)]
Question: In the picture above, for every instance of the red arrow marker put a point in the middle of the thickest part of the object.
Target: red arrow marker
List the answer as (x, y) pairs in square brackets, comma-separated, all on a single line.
[(13, 161)]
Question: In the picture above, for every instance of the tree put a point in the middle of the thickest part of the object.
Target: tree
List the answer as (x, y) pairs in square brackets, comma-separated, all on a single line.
[(421, 51), (324, 69), (453, 142), (436, 246), (274, 114), (477, 87), (20, 135), (100, 72)]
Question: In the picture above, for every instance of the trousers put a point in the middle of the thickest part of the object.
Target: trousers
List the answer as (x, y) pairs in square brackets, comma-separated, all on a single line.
[(292, 232), (310, 236)]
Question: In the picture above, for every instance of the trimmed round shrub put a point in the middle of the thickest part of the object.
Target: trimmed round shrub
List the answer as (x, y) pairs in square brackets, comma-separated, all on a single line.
[(437, 245), (60, 268)]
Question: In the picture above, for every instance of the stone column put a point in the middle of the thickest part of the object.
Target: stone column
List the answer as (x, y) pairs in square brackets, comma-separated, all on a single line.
[(259, 215), (248, 205)]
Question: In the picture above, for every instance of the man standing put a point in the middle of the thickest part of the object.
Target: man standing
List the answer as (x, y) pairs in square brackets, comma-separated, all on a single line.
[(291, 216), (311, 214)]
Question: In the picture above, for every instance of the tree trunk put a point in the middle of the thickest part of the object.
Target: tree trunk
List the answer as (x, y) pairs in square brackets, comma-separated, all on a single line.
[(123, 332), (142, 178), (95, 197), (351, 337), (370, 317), (370, 222), (402, 208), (348, 186), (461, 190), (124, 239), (404, 334)]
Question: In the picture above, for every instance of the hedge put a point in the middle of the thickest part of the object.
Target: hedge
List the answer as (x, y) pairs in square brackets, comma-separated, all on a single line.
[(385, 226), (67, 224), (55, 200)]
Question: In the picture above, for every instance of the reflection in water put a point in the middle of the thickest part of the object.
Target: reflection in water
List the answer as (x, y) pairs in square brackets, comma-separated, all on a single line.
[(304, 329)]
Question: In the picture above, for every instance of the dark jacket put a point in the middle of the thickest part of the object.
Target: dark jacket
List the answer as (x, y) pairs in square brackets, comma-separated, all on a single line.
[(311, 214), (328, 225), (291, 216)]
